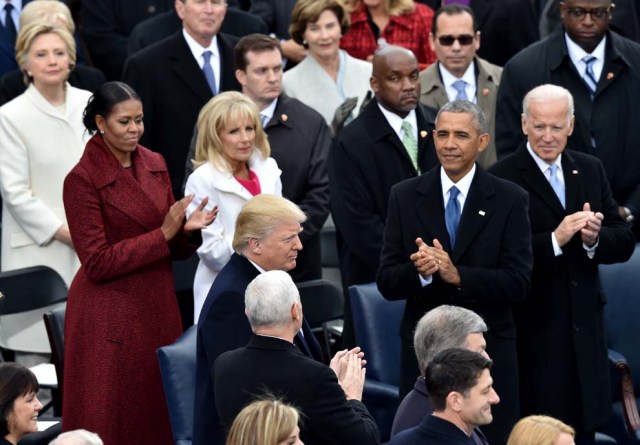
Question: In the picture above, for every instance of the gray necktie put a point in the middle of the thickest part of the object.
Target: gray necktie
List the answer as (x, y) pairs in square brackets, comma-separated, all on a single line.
[(208, 72), (556, 184), (460, 87)]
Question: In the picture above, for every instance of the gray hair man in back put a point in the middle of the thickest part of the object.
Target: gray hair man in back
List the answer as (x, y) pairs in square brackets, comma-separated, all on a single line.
[(444, 327)]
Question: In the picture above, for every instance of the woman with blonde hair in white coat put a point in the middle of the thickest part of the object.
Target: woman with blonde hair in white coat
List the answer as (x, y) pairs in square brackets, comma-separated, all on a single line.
[(232, 165), (42, 139)]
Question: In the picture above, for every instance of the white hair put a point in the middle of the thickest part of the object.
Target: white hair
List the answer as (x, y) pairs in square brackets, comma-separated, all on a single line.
[(546, 93), (269, 298), (77, 437)]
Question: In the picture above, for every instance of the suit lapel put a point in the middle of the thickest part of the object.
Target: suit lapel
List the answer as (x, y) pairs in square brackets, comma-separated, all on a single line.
[(187, 68), (536, 180), (574, 195), (430, 209), (382, 133), (143, 200), (478, 208)]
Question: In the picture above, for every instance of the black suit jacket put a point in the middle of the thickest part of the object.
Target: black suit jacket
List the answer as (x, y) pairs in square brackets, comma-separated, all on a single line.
[(276, 366), (611, 118), (434, 430), (223, 326), (561, 322), (366, 160), (300, 140), (7, 49), (83, 77), (173, 89), (107, 24), (506, 27), (493, 257), (276, 14), (236, 23)]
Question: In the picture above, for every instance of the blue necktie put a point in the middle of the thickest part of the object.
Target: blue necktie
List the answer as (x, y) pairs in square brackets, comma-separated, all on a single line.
[(460, 87), (556, 184), (9, 24), (589, 76), (208, 72), (452, 214)]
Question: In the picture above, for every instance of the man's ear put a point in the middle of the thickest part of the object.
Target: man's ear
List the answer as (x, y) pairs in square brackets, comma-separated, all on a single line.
[(455, 401), (241, 76), (255, 246)]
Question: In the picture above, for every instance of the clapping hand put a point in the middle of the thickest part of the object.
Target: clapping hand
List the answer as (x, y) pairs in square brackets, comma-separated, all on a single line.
[(200, 218)]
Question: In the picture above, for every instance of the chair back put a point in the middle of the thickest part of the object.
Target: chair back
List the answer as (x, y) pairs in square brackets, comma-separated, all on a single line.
[(321, 301), (30, 288), (621, 285), (178, 370), (54, 322), (376, 323)]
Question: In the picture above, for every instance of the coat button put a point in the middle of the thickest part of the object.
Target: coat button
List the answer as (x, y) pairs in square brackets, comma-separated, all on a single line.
[(151, 9), (574, 283), (576, 327)]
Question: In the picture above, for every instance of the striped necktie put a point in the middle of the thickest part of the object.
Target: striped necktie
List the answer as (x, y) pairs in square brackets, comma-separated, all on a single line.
[(589, 76)]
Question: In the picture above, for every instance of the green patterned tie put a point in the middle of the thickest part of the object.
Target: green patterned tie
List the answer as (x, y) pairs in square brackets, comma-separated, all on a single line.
[(410, 144)]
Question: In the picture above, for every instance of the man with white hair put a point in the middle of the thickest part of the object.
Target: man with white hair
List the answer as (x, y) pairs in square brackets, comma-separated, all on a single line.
[(575, 226), (271, 363)]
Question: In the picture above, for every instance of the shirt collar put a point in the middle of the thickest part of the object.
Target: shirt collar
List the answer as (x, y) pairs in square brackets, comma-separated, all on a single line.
[(197, 49), (395, 121), (576, 53), (270, 109), (463, 185), (469, 75), (541, 163)]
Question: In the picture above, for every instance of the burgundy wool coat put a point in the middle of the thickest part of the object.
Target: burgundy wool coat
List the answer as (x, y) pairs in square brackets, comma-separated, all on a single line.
[(121, 305)]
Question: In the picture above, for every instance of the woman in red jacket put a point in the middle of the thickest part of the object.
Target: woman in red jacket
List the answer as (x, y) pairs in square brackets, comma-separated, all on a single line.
[(126, 229), (376, 23)]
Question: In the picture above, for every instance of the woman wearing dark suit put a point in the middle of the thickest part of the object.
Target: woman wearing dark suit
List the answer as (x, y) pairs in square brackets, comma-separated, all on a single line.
[(121, 306)]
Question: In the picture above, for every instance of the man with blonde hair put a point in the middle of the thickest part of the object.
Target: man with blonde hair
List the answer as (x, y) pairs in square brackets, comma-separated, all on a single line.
[(266, 238)]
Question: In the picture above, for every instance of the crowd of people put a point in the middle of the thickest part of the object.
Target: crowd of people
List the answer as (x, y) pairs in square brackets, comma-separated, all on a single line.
[(470, 167)]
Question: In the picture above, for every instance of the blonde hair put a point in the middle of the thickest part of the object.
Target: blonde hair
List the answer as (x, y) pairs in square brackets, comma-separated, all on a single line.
[(222, 111), (261, 215), (394, 7), (263, 422), (52, 12), (308, 11), (538, 430), (29, 33)]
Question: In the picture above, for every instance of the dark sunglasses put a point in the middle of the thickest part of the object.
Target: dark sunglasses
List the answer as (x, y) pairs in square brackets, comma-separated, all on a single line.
[(595, 13), (463, 40)]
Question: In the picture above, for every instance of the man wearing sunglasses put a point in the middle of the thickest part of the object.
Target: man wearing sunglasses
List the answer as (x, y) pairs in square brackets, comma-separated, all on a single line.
[(459, 73), (601, 69)]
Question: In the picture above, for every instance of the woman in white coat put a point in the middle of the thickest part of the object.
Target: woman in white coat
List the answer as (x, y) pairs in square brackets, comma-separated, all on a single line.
[(328, 76), (42, 138), (232, 165)]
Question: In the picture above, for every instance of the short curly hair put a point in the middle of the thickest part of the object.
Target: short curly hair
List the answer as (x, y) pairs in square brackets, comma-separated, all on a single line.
[(308, 11)]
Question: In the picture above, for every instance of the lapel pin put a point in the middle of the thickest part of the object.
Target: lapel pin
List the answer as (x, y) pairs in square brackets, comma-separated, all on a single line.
[(609, 76), (575, 172), (423, 134), (284, 118), (481, 212), (485, 92)]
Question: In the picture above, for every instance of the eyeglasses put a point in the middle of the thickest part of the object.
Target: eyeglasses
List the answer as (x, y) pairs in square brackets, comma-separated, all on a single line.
[(595, 13), (463, 40)]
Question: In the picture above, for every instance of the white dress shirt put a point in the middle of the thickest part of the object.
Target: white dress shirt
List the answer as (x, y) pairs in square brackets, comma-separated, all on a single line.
[(469, 77)]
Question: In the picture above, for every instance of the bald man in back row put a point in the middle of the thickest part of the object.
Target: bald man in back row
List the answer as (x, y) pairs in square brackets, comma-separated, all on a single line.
[(388, 142)]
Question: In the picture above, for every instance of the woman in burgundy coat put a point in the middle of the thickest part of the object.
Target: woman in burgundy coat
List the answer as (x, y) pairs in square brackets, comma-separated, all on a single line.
[(126, 229)]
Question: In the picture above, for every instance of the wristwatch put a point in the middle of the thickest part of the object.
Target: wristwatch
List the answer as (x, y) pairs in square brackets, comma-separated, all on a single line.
[(629, 218)]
